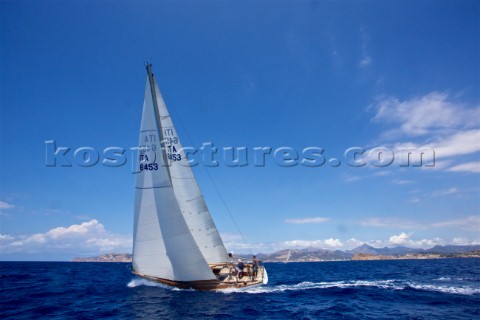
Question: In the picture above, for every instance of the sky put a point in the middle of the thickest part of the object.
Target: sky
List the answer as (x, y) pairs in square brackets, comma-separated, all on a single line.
[(379, 77)]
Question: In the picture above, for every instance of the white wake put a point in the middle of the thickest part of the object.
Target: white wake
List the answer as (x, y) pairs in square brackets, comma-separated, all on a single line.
[(383, 284), (307, 285)]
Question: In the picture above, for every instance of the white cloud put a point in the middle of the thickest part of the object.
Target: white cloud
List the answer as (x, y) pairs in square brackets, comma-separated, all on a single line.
[(470, 222), (401, 238), (422, 115), (4, 205), (458, 144), (234, 243), (307, 220), (92, 226), (382, 173), (354, 243), (400, 181), (365, 60), (467, 222), (333, 243), (461, 143), (441, 193), (5, 237), (404, 239), (228, 237), (449, 130), (466, 167), (388, 222), (349, 178), (85, 238), (462, 241), (327, 243)]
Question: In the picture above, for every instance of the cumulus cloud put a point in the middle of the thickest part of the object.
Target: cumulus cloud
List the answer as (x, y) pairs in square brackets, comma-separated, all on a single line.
[(85, 238), (353, 243), (307, 220), (401, 238), (333, 243), (404, 239)]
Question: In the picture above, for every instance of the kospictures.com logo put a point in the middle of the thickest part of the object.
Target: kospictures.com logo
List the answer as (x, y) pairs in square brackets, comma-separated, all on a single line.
[(211, 156)]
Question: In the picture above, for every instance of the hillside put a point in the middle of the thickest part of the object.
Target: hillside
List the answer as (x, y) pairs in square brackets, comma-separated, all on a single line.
[(363, 252)]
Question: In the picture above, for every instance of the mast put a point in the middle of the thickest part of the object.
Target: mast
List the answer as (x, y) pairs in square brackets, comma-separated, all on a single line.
[(157, 115)]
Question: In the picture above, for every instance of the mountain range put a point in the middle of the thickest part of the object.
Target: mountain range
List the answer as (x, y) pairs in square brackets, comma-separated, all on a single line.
[(315, 254)]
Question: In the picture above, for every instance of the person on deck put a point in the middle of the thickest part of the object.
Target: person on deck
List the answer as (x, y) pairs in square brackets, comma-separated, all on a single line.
[(240, 267), (255, 267)]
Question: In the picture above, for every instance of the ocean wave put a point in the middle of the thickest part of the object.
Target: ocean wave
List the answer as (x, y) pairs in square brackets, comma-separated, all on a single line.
[(307, 285), (383, 284), (446, 289), (137, 282), (457, 279)]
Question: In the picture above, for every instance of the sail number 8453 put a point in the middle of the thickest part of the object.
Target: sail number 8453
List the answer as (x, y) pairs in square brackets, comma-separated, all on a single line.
[(148, 166)]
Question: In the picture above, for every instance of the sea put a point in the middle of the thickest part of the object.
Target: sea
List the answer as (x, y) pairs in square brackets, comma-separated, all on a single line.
[(395, 289)]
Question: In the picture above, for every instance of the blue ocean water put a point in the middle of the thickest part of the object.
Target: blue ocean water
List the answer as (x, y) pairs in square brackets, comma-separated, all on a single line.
[(400, 289)]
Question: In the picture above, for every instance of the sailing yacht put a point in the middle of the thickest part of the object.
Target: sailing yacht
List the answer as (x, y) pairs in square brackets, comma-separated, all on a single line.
[(175, 240)]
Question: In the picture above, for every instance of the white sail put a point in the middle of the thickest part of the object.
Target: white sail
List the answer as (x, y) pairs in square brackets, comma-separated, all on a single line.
[(163, 244), (187, 192)]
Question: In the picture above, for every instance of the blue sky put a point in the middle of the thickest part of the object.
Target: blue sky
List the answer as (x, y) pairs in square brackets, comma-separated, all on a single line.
[(332, 75)]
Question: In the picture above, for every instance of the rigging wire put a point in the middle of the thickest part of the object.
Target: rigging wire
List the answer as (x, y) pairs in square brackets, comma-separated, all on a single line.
[(214, 185)]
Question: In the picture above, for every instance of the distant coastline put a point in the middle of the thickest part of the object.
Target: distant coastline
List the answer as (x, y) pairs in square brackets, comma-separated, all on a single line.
[(109, 257), (366, 256), (364, 252)]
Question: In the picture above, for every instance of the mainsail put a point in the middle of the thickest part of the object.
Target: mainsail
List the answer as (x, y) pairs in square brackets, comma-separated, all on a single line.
[(187, 192), (174, 234)]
